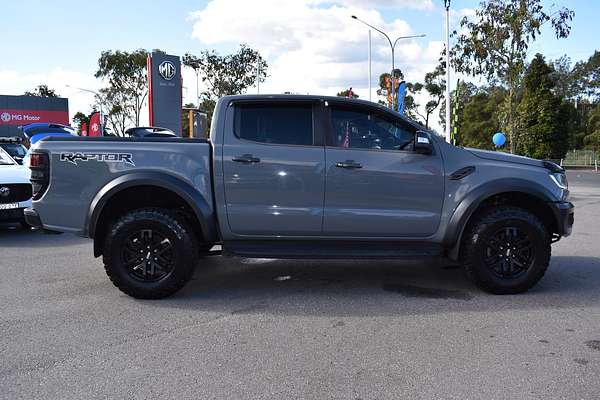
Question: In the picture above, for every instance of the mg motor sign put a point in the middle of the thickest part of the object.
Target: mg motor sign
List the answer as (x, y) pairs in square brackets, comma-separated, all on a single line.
[(167, 70), (23, 117), (164, 87), (16, 111)]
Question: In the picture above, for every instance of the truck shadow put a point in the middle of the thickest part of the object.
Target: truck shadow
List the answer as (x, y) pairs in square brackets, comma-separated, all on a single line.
[(13, 236), (361, 288)]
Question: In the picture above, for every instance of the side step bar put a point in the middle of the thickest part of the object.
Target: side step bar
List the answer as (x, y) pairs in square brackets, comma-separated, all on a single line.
[(331, 249)]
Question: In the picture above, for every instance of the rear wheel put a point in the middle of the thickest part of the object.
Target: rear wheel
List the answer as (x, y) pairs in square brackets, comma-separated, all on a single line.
[(506, 250), (150, 253)]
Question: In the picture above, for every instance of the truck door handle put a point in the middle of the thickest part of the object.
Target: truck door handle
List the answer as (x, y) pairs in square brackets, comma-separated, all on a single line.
[(350, 164), (246, 159)]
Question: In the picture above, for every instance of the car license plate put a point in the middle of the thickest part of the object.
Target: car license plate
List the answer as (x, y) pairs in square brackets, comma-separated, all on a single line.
[(9, 206)]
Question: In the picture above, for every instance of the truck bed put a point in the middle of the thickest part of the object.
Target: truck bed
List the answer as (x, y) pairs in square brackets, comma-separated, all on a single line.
[(91, 167)]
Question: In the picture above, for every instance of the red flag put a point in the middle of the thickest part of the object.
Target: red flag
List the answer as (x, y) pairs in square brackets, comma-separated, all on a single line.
[(83, 129), (95, 128)]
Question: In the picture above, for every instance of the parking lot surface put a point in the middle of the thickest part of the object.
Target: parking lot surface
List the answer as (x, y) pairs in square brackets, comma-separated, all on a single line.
[(251, 329)]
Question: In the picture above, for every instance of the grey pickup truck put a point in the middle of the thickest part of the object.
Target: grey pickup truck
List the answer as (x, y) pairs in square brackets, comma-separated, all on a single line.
[(285, 176)]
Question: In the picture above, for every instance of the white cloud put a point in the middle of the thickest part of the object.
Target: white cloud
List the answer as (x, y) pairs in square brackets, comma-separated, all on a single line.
[(313, 46), (417, 4)]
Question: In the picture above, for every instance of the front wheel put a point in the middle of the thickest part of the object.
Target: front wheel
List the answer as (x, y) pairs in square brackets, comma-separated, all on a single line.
[(506, 250), (150, 253)]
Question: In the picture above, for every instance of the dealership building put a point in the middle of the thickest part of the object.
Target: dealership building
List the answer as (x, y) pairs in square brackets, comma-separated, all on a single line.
[(16, 111)]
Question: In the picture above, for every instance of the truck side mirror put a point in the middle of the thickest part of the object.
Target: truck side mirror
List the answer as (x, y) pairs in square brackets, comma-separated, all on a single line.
[(423, 143)]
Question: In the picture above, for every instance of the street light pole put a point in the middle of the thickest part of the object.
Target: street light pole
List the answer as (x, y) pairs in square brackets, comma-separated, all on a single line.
[(447, 4), (197, 88), (370, 77), (392, 47), (258, 76)]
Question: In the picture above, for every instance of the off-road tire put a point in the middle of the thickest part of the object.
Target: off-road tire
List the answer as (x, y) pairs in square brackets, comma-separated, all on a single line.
[(164, 223), (474, 248)]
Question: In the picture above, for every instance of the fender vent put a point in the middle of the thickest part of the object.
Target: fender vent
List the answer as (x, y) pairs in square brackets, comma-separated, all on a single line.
[(461, 173)]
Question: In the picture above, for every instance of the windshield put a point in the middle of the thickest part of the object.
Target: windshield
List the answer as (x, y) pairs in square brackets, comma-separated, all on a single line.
[(5, 159), (14, 149)]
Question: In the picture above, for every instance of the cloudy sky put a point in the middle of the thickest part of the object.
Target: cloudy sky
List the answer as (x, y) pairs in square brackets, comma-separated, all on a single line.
[(312, 46)]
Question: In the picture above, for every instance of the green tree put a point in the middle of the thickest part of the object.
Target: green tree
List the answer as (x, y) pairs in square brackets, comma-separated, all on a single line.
[(117, 109), (344, 93), (78, 119), (226, 75), (494, 45), (587, 77), (127, 84), (466, 91), (563, 78), (592, 137), (208, 106), (479, 117), (543, 120), (434, 86), (42, 91)]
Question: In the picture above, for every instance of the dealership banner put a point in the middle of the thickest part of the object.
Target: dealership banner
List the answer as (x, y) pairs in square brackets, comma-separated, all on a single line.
[(95, 126), (24, 117)]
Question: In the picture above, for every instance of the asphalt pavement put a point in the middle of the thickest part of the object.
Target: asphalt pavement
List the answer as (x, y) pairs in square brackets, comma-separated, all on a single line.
[(274, 329)]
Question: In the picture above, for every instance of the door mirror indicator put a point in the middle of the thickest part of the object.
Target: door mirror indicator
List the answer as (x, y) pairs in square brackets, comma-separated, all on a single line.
[(423, 143)]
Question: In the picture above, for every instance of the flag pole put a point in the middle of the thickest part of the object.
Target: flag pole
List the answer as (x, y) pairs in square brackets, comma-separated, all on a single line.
[(447, 4)]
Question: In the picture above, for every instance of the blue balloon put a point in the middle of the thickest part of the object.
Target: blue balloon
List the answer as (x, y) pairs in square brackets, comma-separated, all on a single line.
[(499, 139)]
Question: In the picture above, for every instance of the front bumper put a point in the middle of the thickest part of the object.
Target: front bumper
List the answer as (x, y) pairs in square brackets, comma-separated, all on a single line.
[(15, 214), (32, 218), (564, 213), (12, 215)]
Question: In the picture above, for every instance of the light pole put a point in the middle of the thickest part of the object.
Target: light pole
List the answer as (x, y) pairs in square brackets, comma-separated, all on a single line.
[(370, 77), (99, 104), (197, 89), (447, 5), (258, 76), (392, 47)]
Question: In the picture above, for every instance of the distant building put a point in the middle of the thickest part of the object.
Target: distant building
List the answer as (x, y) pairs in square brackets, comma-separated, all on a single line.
[(16, 111)]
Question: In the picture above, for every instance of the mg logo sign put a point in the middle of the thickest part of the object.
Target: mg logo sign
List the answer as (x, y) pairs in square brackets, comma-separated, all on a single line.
[(167, 70), (5, 117), (4, 192)]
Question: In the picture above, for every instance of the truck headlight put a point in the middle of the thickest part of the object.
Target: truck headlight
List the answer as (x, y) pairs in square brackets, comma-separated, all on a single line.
[(560, 179)]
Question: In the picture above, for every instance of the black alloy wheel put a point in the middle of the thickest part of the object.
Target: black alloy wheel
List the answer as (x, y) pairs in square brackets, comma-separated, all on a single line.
[(509, 252), (148, 255)]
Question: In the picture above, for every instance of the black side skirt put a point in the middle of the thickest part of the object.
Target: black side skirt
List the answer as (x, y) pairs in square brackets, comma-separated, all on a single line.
[(331, 249)]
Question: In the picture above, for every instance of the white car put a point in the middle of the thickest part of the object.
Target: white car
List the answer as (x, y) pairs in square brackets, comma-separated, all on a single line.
[(15, 190)]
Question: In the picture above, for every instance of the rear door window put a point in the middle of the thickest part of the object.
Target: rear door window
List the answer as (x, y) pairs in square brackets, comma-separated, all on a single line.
[(290, 124)]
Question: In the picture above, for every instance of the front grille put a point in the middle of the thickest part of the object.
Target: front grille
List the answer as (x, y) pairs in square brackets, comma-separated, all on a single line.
[(11, 215), (17, 192)]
